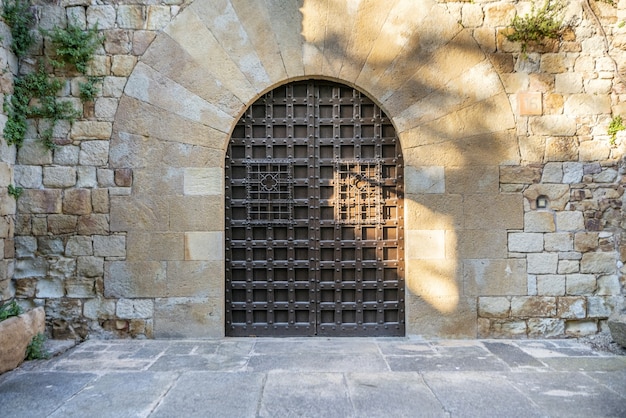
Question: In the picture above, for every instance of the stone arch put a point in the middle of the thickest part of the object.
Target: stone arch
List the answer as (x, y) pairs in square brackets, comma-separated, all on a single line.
[(215, 58)]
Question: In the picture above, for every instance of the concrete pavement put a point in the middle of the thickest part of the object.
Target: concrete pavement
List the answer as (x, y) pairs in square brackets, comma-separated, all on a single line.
[(319, 377)]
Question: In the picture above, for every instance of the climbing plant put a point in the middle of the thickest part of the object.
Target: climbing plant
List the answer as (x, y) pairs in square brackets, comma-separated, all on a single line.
[(35, 94), (545, 22)]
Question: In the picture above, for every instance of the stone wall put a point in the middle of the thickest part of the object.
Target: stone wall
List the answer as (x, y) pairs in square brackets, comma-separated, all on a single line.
[(112, 232), (7, 162)]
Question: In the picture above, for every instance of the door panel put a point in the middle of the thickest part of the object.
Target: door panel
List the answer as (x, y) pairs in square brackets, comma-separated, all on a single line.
[(314, 203)]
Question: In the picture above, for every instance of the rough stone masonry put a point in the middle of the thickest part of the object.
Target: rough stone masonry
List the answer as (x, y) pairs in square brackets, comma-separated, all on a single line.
[(514, 219)]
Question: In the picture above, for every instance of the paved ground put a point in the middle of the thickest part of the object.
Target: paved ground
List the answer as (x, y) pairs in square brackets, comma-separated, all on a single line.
[(297, 377)]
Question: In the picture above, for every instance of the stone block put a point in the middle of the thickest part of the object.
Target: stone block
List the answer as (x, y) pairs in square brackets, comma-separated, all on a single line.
[(580, 284), (539, 222), (192, 213), (550, 285), (145, 214), (137, 279), (542, 263), (587, 105), (49, 246), (581, 328), (122, 65), (617, 326), (100, 200), (93, 224), (444, 212), (568, 83), (480, 243), (188, 317), (141, 40), (66, 155), (86, 177), (99, 308), (50, 289), (472, 179), (109, 245), (425, 317), (105, 108), (594, 150), (189, 278), (106, 177), (28, 176), (80, 287), (61, 224), (545, 327), (155, 246), (123, 177), (599, 307), (499, 211), (113, 86), (570, 221), (94, 153), (135, 308), (560, 241), (89, 266), (204, 246), (562, 149), (533, 307), (16, 334), (568, 266), (40, 201), (599, 263), (555, 125), (102, 15), (494, 277), (552, 173), (586, 241), (77, 202), (130, 17), (525, 242), (520, 174), (91, 130), (494, 307), (572, 307), (558, 196), (425, 179), (203, 181), (507, 328), (25, 247), (33, 153), (425, 244), (609, 286)]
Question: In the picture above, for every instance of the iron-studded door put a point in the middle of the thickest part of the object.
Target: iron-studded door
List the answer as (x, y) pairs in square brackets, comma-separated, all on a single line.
[(314, 216)]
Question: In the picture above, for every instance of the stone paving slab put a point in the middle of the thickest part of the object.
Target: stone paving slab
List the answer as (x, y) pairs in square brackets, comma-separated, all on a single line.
[(314, 377)]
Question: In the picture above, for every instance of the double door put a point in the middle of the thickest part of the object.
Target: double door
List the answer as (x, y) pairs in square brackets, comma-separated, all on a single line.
[(314, 216)]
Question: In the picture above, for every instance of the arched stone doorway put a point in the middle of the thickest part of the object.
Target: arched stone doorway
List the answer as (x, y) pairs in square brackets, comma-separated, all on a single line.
[(314, 216), (188, 90)]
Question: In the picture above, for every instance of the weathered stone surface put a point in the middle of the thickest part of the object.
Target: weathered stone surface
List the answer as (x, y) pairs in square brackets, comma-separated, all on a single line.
[(550, 285), (598, 263), (486, 211), (520, 174), (539, 222), (560, 241), (135, 308), (545, 327), (542, 263), (77, 201), (570, 307), (109, 245), (425, 244), (88, 266), (524, 242), (580, 284), (94, 152), (494, 307), (617, 325), (15, 335), (59, 176), (533, 306), (140, 279), (40, 201), (494, 277), (99, 308)]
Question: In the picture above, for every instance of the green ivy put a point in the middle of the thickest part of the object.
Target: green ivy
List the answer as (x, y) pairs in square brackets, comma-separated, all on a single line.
[(74, 46), (14, 191), (17, 15), (540, 24), (10, 309), (36, 350), (615, 126), (35, 94)]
